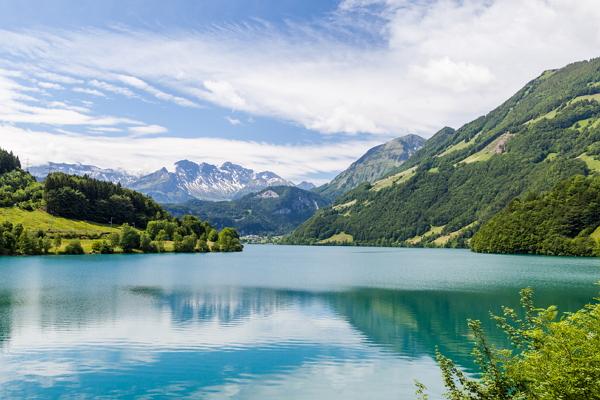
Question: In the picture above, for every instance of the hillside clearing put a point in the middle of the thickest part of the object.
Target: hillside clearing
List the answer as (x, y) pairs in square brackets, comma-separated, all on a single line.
[(339, 238), (592, 163), (398, 178), (41, 220)]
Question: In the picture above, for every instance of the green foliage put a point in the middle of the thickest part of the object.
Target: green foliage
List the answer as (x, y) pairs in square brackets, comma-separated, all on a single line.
[(146, 244), (130, 239), (185, 244), (19, 188), (202, 246), (549, 358), (213, 235), (89, 199), (229, 240), (17, 240), (114, 239), (558, 222), (73, 248), (57, 243), (102, 247), (462, 193)]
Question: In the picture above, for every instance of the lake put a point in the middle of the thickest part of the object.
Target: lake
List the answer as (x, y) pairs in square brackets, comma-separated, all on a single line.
[(274, 322)]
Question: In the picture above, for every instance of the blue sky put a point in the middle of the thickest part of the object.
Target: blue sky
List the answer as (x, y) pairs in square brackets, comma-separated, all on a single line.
[(301, 88)]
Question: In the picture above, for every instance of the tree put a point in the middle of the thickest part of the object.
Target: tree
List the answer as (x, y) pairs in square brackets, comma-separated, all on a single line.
[(229, 240), (130, 239), (28, 243), (45, 244), (8, 161), (114, 239), (57, 242), (146, 244)]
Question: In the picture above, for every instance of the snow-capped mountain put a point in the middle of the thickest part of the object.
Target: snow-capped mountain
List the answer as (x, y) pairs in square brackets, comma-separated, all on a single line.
[(205, 182), (189, 181), (110, 175)]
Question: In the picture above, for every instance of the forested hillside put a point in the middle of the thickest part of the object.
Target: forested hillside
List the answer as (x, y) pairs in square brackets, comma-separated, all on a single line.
[(545, 133), (563, 221), (273, 211), (90, 199)]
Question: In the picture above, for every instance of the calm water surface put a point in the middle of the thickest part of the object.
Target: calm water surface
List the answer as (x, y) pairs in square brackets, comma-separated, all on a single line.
[(271, 322)]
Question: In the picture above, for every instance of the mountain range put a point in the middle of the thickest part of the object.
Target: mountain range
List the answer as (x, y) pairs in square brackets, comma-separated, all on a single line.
[(189, 180), (373, 165), (547, 132)]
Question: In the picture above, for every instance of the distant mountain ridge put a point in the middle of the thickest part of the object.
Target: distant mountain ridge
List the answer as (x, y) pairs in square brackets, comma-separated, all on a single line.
[(272, 211), (376, 163), (189, 180), (104, 174)]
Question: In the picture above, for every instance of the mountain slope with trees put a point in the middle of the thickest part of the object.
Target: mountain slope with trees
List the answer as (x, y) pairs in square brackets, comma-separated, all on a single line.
[(273, 211), (373, 165), (545, 133), (562, 221)]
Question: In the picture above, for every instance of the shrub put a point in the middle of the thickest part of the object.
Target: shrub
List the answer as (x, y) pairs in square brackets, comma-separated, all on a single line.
[(186, 245), (74, 248), (549, 359), (102, 247)]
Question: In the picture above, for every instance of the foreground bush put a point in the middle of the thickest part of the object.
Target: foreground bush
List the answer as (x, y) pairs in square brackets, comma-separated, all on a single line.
[(551, 359)]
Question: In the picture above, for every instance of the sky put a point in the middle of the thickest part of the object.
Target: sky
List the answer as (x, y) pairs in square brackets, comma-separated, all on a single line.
[(301, 88)]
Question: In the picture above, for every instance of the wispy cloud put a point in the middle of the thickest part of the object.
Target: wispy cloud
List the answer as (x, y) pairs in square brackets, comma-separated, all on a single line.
[(108, 87), (233, 121), (50, 85), (147, 130), (93, 92), (159, 94), (432, 63)]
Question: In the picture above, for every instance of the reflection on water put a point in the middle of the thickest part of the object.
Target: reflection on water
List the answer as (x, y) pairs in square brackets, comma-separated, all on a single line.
[(201, 327)]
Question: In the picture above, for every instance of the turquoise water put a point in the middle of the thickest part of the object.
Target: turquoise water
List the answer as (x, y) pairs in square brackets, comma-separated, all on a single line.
[(271, 322)]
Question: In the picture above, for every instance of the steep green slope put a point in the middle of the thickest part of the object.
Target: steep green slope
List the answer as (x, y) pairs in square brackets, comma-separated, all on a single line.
[(545, 133), (373, 165), (273, 211), (560, 222)]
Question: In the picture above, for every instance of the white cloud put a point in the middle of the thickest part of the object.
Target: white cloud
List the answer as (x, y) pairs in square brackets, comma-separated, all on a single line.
[(148, 130), (92, 92), (233, 121), (145, 154)]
